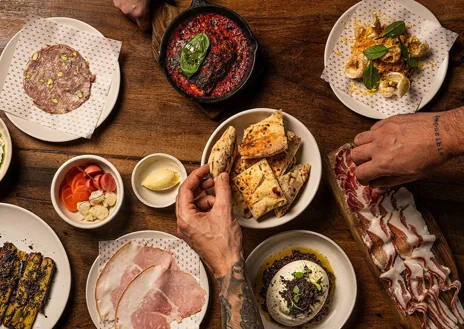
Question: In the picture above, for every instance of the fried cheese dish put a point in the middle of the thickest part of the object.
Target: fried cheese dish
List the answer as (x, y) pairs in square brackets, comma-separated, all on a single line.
[(385, 57)]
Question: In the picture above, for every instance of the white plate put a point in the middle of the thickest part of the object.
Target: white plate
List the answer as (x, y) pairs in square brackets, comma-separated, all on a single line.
[(8, 149), (34, 129), (308, 153), (93, 275), (24, 229), (359, 107), (345, 278)]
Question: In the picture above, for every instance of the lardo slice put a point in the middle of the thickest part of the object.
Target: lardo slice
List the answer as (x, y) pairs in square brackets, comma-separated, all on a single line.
[(129, 261)]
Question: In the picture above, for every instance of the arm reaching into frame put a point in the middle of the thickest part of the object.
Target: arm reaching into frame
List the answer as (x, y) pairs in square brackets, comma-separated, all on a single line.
[(137, 10), (404, 148), (208, 225)]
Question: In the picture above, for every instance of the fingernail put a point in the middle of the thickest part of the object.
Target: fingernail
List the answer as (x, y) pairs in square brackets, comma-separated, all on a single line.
[(225, 176)]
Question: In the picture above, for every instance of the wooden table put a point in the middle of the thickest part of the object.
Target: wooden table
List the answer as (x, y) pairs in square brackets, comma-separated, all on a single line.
[(151, 117)]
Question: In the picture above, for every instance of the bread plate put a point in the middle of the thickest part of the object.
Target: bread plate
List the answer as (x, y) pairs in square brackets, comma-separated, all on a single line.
[(308, 153)]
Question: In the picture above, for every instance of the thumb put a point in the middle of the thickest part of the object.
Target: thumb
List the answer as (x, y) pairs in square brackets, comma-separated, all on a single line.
[(223, 191)]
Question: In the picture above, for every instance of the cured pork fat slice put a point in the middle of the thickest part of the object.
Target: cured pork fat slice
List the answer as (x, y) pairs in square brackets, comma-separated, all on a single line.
[(157, 297), (128, 262)]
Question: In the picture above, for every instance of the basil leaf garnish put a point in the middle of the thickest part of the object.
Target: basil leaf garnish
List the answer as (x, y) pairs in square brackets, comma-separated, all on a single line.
[(193, 54), (376, 51), (394, 30), (412, 62), (371, 77)]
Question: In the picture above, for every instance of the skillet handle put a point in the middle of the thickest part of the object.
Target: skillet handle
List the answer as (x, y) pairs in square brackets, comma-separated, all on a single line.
[(198, 3)]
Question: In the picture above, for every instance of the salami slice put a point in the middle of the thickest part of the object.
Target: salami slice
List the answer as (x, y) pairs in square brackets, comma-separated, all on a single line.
[(108, 183), (58, 79)]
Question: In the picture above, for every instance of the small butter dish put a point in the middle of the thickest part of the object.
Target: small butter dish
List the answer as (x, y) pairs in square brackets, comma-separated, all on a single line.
[(151, 164)]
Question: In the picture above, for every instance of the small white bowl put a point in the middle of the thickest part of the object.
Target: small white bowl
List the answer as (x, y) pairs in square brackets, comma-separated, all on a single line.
[(74, 218), (152, 163), (8, 149)]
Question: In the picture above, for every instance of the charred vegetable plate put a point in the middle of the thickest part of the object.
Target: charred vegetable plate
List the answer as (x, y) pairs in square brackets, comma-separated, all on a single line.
[(208, 52), (35, 277)]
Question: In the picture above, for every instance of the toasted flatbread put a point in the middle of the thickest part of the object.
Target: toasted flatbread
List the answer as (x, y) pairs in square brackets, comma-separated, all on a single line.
[(240, 165), (223, 152), (260, 189), (282, 161), (291, 184), (239, 204), (279, 163), (265, 138)]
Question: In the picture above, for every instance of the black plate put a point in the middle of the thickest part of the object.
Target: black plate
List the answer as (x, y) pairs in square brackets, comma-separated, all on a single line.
[(200, 7)]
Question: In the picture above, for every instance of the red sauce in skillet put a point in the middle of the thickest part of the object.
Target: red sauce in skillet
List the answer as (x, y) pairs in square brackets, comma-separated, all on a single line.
[(226, 64)]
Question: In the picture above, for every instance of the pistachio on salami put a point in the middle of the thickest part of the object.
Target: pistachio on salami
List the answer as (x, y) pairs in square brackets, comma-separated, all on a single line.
[(58, 79)]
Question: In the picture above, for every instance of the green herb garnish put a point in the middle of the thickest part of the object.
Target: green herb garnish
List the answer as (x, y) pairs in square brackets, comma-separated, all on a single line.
[(371, 77), (295, 300), (298, 275), (317, 283), (193, 54), (412, 62), (394, 30), (376, 51)]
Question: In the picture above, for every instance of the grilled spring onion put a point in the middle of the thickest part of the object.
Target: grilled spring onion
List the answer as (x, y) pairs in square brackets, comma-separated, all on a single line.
[(10, 282), (32, 289)]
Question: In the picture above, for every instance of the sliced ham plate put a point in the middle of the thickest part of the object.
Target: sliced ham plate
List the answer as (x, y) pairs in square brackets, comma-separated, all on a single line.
[(128, 262), (157, 297)]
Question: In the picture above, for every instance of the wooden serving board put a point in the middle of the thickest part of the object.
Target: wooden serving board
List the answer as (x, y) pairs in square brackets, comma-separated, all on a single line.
[(440, 248), (163, 13)]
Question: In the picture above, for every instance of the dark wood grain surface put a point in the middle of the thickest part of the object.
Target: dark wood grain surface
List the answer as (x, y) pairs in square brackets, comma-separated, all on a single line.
[(151, 117)]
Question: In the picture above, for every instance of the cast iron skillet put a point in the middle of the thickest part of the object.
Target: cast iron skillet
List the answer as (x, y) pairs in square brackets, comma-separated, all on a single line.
[(199, 7)]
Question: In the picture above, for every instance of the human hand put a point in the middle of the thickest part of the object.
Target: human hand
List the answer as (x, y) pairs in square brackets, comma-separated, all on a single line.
[(404, 148), (207, 222), (137, 10)]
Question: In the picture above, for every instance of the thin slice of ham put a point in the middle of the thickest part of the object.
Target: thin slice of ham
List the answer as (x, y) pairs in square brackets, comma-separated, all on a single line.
[(184, 291), (128, 262), (143, 306), (157, 297)]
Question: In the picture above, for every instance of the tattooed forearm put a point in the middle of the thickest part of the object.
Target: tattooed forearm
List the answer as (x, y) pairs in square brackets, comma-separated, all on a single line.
[(438, 140), (238, 304)]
